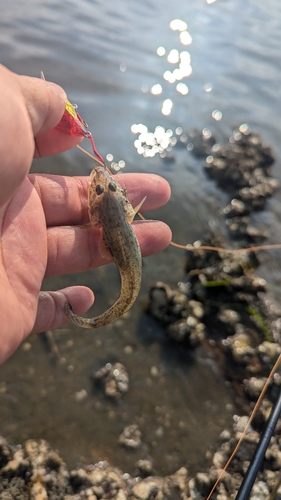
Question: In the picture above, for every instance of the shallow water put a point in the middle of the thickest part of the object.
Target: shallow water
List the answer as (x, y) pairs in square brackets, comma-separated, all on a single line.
[(105, 56)]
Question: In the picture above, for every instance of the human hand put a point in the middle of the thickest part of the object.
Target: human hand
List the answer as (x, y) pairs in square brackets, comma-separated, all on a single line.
[(41, 215)]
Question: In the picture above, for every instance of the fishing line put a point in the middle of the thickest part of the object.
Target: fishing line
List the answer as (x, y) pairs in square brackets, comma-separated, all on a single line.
[(260, 398), (191, 247), (91, 156)]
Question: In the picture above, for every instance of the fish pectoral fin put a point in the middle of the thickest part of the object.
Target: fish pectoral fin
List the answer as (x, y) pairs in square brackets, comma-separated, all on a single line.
[(138, 207), (104, 252)]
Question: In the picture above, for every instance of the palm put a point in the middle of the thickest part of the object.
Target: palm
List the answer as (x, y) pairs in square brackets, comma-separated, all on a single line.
[(23, 258), (42, 235)]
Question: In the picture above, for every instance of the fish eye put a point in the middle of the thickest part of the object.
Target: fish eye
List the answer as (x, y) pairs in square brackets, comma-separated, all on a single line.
[(112, 186), (99, 189)]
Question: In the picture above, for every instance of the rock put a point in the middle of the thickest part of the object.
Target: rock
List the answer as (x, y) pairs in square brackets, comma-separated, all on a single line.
[(121, 495), (181, 315), (146, 489), (254, 386), (188, 330), (269, 352), (144, 467), (114, 378), (17, 466), (80, 395), (200, 486), (225, 435), (241, 348), (260, 491), (5, 452), (219, 459), (131, 437), (38, 492)]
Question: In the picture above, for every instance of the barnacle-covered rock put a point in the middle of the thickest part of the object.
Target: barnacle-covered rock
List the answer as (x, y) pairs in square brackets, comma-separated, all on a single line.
[(241, 348), (114, 379), (144, 467), (242, 168), (182, 317), (188, 329), (131, 437), (254, 386), (165, 304), (269, 352)]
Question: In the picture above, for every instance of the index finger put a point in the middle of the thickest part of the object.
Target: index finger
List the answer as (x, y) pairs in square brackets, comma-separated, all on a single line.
[(65, 199)]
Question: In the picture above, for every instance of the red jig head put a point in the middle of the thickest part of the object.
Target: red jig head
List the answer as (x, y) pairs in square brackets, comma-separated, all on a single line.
[(73, 124)]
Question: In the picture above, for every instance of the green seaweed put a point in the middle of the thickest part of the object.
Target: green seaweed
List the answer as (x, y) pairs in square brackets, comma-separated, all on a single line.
[(261, 322), (249, 309)]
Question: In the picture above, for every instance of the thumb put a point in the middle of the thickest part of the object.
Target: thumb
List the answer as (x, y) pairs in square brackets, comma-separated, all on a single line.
[(50, 312), (45, 102), (28, 107)]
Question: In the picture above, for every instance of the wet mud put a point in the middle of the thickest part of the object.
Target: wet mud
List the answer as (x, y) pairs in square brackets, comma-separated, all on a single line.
[(36, 471), (222, 305)]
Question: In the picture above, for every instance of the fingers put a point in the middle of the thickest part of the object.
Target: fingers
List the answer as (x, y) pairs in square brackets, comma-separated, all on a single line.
[(65, 202), (65, 199), (50, 313), (82, 254), (76, 249)]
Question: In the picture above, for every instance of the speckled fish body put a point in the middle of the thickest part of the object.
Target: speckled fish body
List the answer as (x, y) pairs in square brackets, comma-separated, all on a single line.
[(111, 211)]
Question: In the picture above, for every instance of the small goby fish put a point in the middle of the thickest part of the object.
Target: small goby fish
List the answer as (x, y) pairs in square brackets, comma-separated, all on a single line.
[(111, 211)]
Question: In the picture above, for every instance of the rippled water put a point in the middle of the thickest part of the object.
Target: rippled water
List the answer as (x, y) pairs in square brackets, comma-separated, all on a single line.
[(106, 57)]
